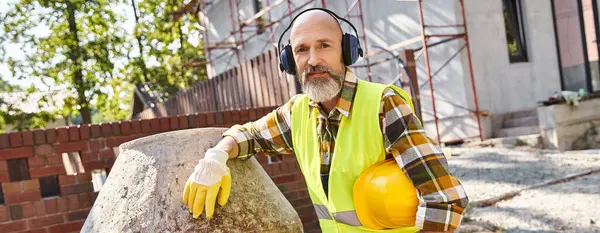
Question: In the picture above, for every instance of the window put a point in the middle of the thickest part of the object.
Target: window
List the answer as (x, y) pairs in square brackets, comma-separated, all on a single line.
[(515, 35)]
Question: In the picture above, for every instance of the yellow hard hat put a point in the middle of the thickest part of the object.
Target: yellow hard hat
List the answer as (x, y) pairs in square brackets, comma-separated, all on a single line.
[(384, 197)]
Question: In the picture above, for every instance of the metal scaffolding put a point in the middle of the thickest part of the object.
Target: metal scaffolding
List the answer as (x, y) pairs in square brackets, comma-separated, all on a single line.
[(240, 26)]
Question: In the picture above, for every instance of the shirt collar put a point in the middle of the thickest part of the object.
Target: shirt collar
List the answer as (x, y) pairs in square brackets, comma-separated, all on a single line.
[(344, 102)]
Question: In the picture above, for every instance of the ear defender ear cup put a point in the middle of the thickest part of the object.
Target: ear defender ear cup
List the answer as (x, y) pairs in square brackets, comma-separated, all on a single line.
[(286, 60), (351, 49)]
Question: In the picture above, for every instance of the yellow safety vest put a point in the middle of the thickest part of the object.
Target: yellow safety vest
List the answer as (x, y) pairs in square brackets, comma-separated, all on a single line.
[(359, 145)]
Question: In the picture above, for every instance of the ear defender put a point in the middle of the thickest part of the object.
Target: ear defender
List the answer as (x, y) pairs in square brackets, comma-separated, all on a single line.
[(286, 60), (351, 49)]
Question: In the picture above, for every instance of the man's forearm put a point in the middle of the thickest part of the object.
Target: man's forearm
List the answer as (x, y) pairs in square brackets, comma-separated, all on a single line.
[(229, 145)]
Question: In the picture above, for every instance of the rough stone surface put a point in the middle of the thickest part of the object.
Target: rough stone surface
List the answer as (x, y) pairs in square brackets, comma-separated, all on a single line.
[(144, 189)]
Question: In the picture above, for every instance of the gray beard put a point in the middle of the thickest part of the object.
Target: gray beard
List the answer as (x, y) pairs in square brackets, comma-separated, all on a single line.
[(321, 89)]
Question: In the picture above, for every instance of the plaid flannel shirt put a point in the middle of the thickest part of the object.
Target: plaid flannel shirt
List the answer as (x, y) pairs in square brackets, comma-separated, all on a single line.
[(442, 197)]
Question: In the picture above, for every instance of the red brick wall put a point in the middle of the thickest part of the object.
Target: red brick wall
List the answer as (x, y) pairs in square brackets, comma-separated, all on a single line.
[(25, 211)]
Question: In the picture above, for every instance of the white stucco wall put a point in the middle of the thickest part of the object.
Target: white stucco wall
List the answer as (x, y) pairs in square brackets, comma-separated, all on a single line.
[(504, 87)]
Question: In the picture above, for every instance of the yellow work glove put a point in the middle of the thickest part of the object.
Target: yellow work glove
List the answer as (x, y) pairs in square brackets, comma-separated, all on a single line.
[(211, 178)]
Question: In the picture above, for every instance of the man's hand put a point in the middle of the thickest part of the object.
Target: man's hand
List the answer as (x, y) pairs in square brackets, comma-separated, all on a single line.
[(210, 178)]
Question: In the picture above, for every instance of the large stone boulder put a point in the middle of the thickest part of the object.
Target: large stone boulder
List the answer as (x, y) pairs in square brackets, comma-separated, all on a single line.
[(144, 189)]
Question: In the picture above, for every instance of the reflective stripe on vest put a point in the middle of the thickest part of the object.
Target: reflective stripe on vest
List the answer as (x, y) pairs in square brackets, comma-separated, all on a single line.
[(346, 217)]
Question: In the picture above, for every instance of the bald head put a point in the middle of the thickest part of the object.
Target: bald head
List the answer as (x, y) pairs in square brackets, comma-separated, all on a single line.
[(311, 19)]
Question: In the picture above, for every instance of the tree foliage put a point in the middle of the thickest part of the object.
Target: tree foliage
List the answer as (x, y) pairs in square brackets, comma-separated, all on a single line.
[(81, 47)]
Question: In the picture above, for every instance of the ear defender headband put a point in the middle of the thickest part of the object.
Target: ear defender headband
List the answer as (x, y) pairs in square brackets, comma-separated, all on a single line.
[(351, 49)]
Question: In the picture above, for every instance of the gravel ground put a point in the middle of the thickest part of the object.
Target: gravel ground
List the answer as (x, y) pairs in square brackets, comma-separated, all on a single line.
[(573, 206)]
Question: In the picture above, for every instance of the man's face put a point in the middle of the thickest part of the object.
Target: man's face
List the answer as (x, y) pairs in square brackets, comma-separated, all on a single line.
[(316, 41)]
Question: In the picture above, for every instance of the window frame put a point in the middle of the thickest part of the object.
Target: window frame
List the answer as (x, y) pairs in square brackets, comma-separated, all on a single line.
[(519, 37)]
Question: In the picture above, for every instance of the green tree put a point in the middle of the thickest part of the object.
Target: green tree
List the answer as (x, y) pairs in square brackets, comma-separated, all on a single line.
[(78, 54), (165, 41)]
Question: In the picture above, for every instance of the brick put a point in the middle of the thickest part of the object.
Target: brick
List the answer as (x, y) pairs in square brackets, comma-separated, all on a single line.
[(164, 124), (43, 149), (94, 195), (192, 121), (235, 117), (16, 212), (4, 177), (39, 136), (11, 187), (47, 171), (28, 211), (71, 147), (244, 115), (73, 202), (174, 122), (284, 179), (85, 199), (252, 114), (106, 153), (102, 164), (51, 135), (13, 226), (84, 131), (96, 145), (95, 131), (145, 124), (227, 117), (183, 122), (4, 141), (136, 127), (74, 133), (66, 227), (301, 202), (84, 178), (51, 205), (116, 128), (126, 128), (38, 161), (3, 165), (210, 119), (62, 204), (13, 198), (201, 120), (63, 134), (87, 156), (67, 180), (78, 215), (39, 208), (33, 184), (15, 153), (28, 138), (106, 129), (3, 213), (54, 160), (76, 189), (155, 125), (16, 139), (46, 221), (39, 230)]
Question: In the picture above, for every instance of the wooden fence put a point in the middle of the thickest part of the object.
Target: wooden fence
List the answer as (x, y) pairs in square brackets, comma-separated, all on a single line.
[(255, 83)]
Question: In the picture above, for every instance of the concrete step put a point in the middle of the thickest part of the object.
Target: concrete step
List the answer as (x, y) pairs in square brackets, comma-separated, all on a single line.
[(521, 121), (517, 131), (524, 113), (532, 140)]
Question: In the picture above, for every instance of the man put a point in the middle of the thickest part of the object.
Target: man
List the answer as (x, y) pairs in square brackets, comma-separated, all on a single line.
[(324, 122)]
